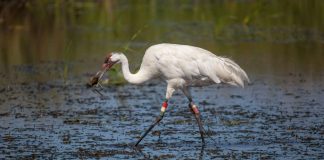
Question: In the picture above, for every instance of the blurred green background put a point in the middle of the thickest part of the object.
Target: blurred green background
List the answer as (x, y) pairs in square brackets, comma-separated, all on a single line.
[(265, 37)]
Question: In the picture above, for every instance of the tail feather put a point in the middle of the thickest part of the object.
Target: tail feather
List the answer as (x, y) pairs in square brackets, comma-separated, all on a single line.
[(237, 75)]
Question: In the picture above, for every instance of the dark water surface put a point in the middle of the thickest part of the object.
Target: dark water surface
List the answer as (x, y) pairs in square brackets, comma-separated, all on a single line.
[(48, 51), (281, 118)]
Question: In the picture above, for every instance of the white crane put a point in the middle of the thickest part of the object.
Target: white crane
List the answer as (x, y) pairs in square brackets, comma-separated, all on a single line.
[(181, 66)]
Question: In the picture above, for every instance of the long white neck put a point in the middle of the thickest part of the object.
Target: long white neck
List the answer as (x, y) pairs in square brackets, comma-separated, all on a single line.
[(140, 77)]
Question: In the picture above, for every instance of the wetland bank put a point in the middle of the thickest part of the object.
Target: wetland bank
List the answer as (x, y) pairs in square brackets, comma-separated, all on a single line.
[(49, 49)]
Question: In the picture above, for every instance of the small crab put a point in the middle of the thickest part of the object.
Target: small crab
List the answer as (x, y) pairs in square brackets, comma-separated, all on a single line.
[(95, 80)]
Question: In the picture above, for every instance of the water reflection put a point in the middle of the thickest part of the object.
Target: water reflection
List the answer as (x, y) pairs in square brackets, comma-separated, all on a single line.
[(201, 155)]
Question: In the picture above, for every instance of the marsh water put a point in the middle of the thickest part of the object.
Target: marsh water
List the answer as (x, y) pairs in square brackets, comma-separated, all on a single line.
[(49, 49)]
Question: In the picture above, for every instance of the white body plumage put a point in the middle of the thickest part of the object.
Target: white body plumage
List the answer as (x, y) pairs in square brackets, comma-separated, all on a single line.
[(182, 66)]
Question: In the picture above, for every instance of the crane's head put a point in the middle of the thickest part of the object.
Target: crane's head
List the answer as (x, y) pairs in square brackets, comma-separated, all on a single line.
[(110, 60)]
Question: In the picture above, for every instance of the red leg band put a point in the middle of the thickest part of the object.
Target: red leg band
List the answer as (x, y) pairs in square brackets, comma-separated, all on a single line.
[(195, 109), (165, 105)]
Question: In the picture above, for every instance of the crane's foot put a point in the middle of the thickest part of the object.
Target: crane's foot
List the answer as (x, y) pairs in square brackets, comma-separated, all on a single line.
[(195, 111), (157, 120)]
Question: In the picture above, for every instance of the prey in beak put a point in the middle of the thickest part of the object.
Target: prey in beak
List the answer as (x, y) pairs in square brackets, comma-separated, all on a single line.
[(96, 79)]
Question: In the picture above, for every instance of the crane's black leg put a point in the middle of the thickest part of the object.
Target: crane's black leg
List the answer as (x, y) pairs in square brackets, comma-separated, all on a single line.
[(196, 113), (157, 120)]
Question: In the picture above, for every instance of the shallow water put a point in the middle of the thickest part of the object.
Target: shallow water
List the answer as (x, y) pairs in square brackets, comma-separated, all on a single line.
[(46, 111), (270, 118)]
